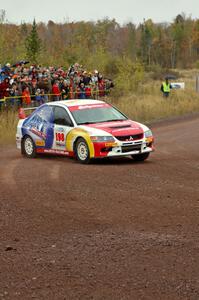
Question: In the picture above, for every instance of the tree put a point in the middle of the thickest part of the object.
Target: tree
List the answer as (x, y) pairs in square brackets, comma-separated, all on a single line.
[(146, 41), (181, 31), (131, 47), (33, 44)]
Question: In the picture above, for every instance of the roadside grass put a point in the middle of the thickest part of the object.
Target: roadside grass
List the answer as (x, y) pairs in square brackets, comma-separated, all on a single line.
[(149, 104), (8, 123)]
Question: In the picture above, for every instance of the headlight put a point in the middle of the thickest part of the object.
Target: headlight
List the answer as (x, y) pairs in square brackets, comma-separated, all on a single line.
[(97, 139), (148, 133)]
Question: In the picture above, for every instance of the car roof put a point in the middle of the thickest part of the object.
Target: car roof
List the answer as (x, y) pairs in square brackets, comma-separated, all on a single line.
[(75, 102)]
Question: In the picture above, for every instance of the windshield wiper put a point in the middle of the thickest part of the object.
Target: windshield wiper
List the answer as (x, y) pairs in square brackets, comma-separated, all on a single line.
[(93, 122), (85, 123), (115, 120)]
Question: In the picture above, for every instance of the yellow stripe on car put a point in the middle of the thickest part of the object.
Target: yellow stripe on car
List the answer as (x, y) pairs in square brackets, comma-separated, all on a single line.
[(81, 133)]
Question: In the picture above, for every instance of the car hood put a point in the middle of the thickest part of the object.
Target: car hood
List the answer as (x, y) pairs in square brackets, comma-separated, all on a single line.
[(115, 128)]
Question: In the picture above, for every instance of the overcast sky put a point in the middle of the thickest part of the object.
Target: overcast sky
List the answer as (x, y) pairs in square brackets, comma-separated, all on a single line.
[(77, 10)]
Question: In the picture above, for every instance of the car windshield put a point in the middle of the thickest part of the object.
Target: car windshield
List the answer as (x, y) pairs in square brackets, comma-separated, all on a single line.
[(97, 115)]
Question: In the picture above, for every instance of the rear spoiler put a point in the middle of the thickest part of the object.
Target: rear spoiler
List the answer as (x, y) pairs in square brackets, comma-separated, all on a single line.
[(22, 112)]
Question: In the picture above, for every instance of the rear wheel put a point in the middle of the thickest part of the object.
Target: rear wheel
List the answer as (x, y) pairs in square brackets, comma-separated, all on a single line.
[(82, 151), (28, 147), (140, 157)]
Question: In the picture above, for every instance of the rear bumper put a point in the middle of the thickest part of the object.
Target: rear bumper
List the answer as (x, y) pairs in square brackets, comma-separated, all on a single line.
[(18, 141)]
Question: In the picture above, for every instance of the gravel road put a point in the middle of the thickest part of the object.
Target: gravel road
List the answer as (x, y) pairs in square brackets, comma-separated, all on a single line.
[(114, 229)]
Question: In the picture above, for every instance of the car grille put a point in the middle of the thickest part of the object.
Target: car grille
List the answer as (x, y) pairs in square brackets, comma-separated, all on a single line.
[(130, 137), (131, 148)]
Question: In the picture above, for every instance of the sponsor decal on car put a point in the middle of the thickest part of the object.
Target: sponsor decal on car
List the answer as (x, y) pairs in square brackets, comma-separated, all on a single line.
[(39, 143), (53, 151), (38, 133), (110, 144), (88, 106)]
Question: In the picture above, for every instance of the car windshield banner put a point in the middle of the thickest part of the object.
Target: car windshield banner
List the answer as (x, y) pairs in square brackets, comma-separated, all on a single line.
[(88, 106)]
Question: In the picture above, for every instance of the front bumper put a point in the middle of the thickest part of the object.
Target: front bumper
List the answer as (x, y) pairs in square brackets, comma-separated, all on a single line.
[(123, 148)]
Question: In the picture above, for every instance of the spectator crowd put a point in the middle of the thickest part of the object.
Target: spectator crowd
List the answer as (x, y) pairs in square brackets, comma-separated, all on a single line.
[(34, 85)]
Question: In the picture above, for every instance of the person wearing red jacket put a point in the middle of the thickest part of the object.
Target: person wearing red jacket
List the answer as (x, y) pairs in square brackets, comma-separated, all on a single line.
[(56, 91), (88, 91), (26, 99), (4, 88), (101, 87)]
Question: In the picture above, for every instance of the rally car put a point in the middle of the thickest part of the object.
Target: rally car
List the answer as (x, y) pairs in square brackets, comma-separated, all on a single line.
[(84, 129)]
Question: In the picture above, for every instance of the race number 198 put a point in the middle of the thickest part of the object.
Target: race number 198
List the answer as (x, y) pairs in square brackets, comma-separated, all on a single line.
[(60, 137)]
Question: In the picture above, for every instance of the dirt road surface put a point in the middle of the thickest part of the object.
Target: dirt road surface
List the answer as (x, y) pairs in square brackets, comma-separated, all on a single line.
[(110, 230)]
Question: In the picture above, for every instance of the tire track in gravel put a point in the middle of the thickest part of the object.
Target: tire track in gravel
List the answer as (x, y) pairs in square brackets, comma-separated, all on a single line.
[(54, 173), (7, 173)]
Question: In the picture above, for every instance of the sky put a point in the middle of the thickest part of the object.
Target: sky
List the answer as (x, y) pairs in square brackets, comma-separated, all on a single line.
[(123, 11)]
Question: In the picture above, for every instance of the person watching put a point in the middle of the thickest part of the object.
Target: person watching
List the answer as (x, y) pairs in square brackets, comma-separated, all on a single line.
[(166, 88)]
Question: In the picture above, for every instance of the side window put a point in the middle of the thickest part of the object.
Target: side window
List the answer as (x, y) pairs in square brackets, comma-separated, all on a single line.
[(46, 113), (42, 115), (61, 117)]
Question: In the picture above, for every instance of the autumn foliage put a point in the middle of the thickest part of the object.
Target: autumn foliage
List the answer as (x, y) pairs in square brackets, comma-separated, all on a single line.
[(97, 44)]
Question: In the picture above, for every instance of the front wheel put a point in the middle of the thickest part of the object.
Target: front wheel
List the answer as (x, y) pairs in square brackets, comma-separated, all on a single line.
[(140, 157), (28, 147), (82, 151)]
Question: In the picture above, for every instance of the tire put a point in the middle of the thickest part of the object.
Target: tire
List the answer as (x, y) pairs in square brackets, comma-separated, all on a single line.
[(82, 152), (28, 147), (140, 157)]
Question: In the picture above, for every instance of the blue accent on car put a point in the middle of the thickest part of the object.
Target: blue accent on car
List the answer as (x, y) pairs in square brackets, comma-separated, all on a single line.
[(40, 125)]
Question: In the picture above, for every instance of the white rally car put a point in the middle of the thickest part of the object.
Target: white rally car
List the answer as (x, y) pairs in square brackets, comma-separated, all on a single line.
[(84, 129)]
